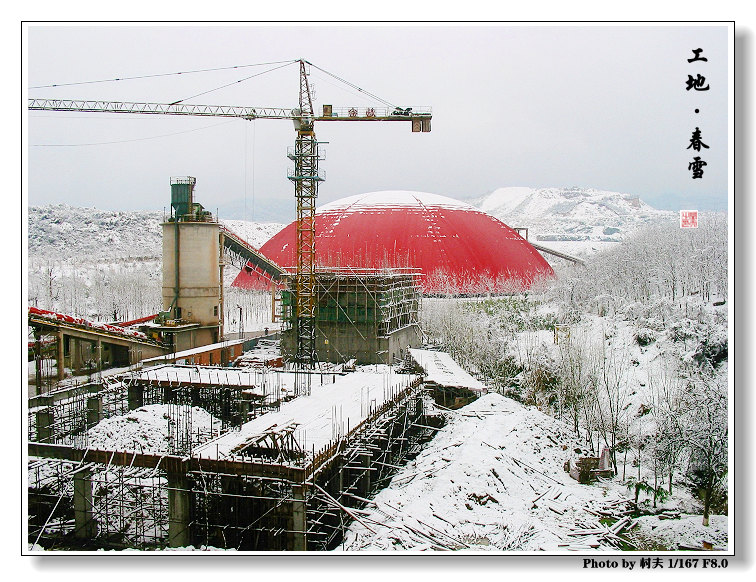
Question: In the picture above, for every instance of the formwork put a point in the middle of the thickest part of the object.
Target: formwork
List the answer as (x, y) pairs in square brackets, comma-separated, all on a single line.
[(367, 315), (266, 493)]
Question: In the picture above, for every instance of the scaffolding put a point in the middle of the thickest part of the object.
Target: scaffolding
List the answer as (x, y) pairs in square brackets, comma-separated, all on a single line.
[(367, 315), (65, 416), (269, 494)]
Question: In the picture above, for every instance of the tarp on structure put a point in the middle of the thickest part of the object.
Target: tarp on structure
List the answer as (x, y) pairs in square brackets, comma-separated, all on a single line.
[(459, 248)]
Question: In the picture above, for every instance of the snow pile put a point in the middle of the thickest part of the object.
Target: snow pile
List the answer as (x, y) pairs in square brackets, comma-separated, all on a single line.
[(492, 479), (145, 429)]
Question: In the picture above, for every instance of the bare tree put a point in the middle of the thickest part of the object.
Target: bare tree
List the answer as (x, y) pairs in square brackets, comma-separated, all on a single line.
[(577, 376), (611, 394)]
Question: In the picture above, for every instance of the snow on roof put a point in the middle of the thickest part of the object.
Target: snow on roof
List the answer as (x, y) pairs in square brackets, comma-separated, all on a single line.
[(327, 413), (202, 375), (458, 248), (80, 321), (441, 369), (394, 198)]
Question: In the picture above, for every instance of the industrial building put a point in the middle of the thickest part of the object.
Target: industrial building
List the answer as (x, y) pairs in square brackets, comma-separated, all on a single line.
[(277, 467), (458, 248), (196, 249)]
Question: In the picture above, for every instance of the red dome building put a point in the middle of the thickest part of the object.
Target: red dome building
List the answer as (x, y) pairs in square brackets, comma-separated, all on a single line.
[(459, 248)]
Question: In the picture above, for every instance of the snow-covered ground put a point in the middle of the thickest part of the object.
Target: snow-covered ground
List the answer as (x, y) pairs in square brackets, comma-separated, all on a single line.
[(106, 265), (492, 479), (685, 530), (61, 231), (476, 486)]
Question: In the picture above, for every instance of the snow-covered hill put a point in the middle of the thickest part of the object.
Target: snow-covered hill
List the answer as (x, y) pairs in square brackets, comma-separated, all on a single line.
[(106, 265), (255, 233), (62, 232), (578, 216), (570, 214)]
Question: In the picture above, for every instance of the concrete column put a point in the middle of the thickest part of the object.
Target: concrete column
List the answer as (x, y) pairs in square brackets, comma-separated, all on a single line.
[(74, 346), (244, 409), (418, 407), (135, 396), (98, 356), (85, 526), (38, 361), (94, 410), (298, 519), (340, 478), (60, 361), (45, 420), (366, 460), (178, 510)]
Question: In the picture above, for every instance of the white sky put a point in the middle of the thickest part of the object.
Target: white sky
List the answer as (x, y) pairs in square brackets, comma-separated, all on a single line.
[(600, 106)]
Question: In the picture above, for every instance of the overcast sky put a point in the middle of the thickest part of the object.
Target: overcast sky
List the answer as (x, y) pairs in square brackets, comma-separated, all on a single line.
[(598, 106)]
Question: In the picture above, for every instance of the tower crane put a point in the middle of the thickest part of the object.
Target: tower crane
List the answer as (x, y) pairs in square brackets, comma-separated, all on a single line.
[(305, 154)]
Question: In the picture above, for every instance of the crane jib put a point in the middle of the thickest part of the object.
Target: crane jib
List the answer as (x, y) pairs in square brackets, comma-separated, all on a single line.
[(241, 112), (160, 108)]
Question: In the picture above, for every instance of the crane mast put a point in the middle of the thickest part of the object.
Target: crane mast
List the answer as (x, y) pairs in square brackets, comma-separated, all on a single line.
[(306, 179), (305, 154)]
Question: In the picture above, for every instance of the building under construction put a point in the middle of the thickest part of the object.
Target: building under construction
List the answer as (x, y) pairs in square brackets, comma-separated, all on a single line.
[(265, 472), (366, 316), (261, 476)]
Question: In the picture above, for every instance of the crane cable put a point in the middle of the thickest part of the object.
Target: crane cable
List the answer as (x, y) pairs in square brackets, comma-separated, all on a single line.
[(281, 63), (234, 82), (160, 75), (361, 90)]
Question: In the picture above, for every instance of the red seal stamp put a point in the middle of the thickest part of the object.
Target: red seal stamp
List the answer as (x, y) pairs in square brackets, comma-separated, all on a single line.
[(689, 219)]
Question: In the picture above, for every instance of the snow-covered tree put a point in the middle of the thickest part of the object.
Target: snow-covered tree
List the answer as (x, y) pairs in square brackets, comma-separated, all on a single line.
[(701, 427)]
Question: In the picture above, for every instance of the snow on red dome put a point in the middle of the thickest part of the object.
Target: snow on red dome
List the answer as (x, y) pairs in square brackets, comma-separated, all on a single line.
[(459, 248)]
